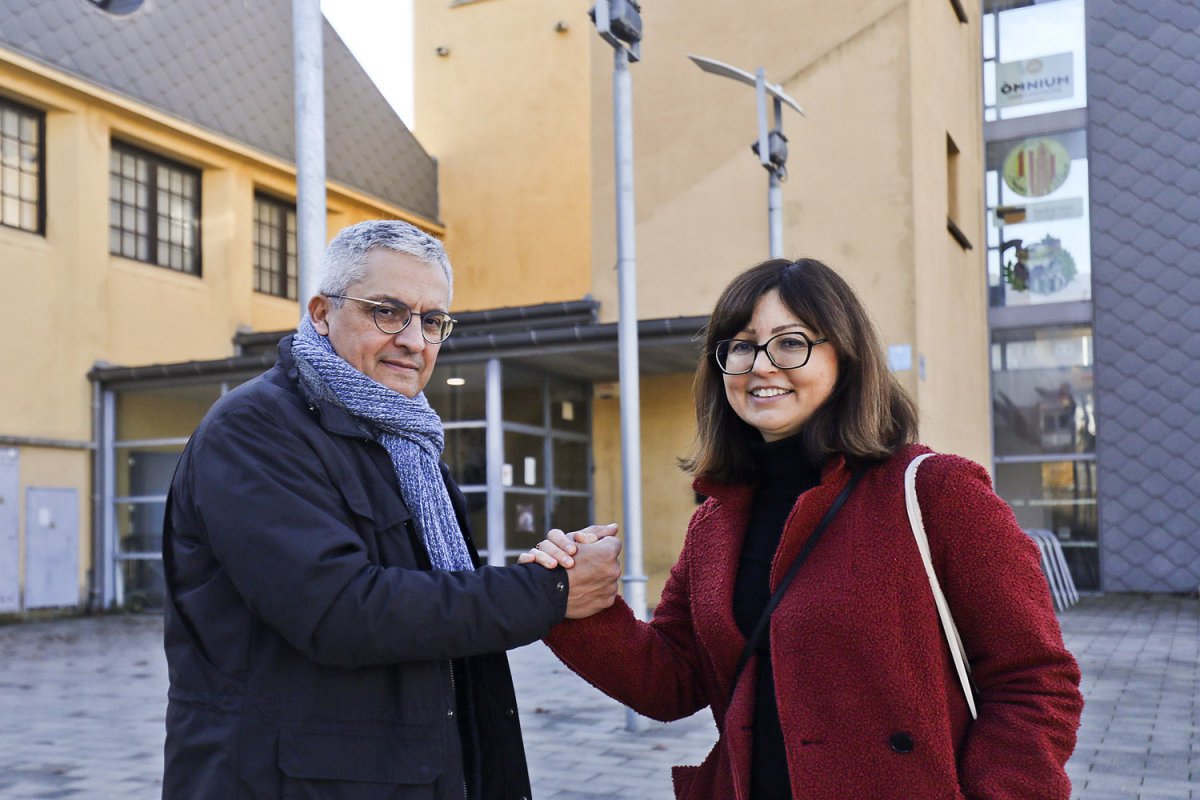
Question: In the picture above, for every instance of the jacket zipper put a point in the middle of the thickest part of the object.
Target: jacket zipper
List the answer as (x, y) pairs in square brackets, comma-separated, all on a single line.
[(454, 697)]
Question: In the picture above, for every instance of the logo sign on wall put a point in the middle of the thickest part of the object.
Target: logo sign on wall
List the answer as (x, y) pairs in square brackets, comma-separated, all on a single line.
[(1036, 167), (1035, 80)]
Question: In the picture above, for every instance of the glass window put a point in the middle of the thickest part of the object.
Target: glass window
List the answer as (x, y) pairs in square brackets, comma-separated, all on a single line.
[(523, 397), (524, 519), (274, 247), (153, 209), (163, 413), (142, 479), (571, 468), (570, 407), (1042, 394), (21, 183), (571, 513), (524, 462), (1039, 238), (1058, 496), (466, 455), (1034, 57), (458, 392)]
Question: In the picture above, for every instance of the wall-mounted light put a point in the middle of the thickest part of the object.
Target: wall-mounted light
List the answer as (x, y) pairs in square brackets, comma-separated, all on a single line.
[(442, 51), (456, 381), (561, 26)]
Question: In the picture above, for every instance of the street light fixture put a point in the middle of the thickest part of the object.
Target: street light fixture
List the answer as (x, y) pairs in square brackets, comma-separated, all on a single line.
[(771, 146), (619, 22)]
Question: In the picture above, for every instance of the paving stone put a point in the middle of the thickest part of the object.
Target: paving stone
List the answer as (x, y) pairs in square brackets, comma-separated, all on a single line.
[(83, 702)]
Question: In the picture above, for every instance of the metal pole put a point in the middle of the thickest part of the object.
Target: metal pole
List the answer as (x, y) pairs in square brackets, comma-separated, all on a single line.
[(775, 213), (494, 415), (774, 190), (96, 597), (627, 344), (309, 66), (107, 568)]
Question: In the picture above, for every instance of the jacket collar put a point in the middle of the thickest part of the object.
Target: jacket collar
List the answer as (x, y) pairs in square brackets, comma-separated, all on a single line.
[(739, 495), (331, 417)]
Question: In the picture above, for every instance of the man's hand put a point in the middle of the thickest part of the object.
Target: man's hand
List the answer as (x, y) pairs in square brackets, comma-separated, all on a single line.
[(558, 547), (593, 579)]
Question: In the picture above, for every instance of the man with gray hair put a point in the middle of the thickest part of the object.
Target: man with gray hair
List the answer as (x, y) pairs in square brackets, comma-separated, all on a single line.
[(330, 631)]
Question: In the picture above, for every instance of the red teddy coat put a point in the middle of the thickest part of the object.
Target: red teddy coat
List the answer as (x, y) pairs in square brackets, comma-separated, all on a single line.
[(869, 703)]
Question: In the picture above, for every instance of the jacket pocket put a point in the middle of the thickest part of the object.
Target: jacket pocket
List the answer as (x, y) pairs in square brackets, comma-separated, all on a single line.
[(320, 766)]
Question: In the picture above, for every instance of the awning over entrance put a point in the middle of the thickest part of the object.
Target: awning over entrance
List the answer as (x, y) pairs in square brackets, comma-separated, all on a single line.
[(559, 338)]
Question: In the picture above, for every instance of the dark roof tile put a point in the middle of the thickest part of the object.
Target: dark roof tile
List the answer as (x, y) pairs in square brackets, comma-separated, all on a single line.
[(226, 65)]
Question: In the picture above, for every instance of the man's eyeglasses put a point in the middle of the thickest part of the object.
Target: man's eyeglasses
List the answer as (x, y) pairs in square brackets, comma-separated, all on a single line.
[(392, 316), (786, 351)]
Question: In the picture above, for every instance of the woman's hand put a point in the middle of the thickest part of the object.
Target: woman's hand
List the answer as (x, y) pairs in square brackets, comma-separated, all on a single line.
[(558, 548)]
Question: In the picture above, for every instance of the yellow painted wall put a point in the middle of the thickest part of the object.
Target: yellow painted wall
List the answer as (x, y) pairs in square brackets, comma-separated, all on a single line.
[(951, 289), (882, 82), (74, 304), (701, 193), (668, 431), (506, 113)]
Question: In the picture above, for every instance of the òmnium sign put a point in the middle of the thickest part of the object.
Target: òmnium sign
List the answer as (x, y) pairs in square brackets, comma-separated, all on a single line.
[(1035, 80)]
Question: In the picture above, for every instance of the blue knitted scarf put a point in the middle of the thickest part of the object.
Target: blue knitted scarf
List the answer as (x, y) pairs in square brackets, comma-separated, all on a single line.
[(409, 429)]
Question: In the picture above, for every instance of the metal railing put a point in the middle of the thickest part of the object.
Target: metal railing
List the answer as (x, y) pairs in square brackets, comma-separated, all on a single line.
[(1054, 565)]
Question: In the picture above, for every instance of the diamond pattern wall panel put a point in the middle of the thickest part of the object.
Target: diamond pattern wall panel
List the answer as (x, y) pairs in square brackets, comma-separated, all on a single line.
[(226, 65), (1144, 150)]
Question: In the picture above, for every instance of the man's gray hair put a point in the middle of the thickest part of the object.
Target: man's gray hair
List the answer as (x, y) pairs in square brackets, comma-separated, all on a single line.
[(345, 261)]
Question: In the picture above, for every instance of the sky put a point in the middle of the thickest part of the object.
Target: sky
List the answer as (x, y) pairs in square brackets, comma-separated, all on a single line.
[(379, 33)]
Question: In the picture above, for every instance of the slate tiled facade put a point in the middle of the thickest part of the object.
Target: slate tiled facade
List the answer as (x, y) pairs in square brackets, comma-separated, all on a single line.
[(1144, 149)]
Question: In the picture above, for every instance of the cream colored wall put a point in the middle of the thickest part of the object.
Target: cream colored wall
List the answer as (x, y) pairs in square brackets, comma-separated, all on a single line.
[(668, 431), (506, 113), (950, 282), (701, 193), (882, 83), (72, 304)]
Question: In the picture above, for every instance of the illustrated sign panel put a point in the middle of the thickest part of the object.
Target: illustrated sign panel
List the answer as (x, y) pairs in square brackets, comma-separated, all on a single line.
[(1037, 166)]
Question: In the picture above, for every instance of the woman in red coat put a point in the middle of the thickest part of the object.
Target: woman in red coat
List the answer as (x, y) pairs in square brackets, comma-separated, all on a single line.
[(851, 691)]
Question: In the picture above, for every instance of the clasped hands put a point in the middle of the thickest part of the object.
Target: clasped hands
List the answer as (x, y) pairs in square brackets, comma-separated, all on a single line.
[(591, 555)]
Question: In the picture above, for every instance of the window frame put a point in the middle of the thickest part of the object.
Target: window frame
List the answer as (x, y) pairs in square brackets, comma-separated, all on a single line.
[(280, 248), (155, 160), (39, 201)]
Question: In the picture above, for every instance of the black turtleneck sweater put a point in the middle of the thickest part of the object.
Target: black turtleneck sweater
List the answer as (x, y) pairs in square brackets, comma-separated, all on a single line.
[(787, 470)]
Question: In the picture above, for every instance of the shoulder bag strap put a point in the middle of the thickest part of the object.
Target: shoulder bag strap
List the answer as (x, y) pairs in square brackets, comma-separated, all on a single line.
[(761, 627), (957, 651)]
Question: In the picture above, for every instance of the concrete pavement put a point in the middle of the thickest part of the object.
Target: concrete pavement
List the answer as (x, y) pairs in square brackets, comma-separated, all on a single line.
[(81, 708)]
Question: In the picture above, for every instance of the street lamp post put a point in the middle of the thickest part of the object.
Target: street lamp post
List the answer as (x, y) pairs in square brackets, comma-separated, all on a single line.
[(771, 145), (619, 23)]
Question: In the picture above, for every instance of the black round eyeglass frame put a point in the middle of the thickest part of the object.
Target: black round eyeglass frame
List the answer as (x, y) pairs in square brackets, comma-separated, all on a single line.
[(444, 320), (721, 350)]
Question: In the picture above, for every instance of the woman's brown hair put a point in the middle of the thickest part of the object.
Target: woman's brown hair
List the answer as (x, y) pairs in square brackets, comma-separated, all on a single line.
[(867, 417)]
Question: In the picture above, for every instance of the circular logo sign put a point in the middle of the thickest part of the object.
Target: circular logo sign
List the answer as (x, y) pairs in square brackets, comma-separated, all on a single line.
[(1037, 167)]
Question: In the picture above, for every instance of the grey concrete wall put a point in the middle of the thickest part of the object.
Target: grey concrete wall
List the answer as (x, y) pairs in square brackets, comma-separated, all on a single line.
[(1144, 150)]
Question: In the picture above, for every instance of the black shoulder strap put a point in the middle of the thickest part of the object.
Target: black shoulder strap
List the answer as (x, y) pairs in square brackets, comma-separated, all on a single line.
[(801, 557)]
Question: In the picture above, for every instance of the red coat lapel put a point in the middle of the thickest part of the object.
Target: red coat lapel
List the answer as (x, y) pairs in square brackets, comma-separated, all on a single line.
[(804, 517)]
